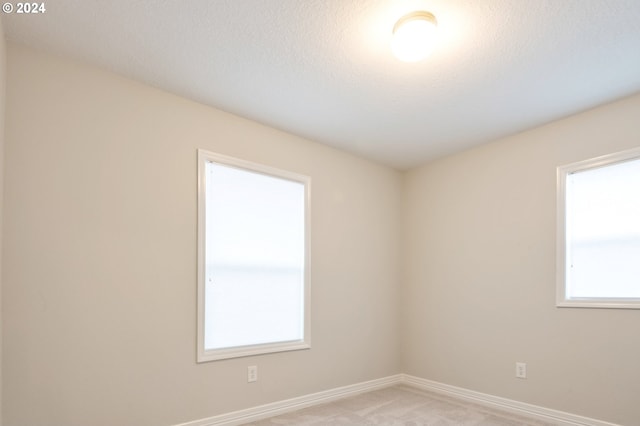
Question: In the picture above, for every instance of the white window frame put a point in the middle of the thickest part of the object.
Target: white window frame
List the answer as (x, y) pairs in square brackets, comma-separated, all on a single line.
[(561, 243), (204, 355)]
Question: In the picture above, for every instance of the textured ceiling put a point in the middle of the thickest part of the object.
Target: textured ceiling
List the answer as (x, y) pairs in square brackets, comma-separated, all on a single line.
[(322, 69)]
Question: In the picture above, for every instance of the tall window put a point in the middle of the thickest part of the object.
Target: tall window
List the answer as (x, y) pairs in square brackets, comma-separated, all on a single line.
[(599, 232), (253, 259)]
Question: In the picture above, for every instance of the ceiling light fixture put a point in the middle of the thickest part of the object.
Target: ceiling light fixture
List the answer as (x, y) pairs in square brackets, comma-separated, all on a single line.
[(414, 36)]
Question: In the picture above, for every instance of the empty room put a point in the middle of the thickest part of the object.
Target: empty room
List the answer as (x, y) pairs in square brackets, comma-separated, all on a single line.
[(320, 212)]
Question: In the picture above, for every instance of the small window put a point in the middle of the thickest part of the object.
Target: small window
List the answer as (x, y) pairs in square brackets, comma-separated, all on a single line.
[(599, 232), (253, 259)]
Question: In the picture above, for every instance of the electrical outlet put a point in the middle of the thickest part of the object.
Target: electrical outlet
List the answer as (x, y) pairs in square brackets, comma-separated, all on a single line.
[(252, 373), (521, 370)]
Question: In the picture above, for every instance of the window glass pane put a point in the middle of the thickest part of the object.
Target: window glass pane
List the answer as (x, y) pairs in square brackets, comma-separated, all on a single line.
[(603, 231), (255, 254)]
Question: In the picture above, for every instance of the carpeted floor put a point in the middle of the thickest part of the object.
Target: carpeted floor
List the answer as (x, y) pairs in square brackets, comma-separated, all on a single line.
[(399, 406)]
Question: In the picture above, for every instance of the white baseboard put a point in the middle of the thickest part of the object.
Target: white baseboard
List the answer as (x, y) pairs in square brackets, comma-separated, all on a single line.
[(504, 404), (276, 408)]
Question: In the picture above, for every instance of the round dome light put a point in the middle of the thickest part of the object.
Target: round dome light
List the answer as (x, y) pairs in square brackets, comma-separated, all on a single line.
[(414, 36)]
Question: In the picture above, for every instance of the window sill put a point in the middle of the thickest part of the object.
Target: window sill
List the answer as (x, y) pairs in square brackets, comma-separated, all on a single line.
[(243, 351), (600, 303)]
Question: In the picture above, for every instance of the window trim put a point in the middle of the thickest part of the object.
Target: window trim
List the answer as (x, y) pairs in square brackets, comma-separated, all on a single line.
[(204, 355), (562, 301)]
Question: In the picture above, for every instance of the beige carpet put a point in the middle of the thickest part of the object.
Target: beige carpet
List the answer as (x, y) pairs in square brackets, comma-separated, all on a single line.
[(399, 406)]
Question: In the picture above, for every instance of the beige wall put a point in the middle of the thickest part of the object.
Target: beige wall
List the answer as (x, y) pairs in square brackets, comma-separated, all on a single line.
[(100, 255), (3, 63), (479, 295)]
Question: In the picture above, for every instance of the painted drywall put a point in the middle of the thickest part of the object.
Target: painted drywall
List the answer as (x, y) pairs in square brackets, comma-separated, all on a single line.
[(3, 75), (100, 255), (479, 293)]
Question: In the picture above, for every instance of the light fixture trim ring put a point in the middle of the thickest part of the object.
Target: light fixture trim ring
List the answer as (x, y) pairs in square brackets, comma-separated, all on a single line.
[(427, 16)]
